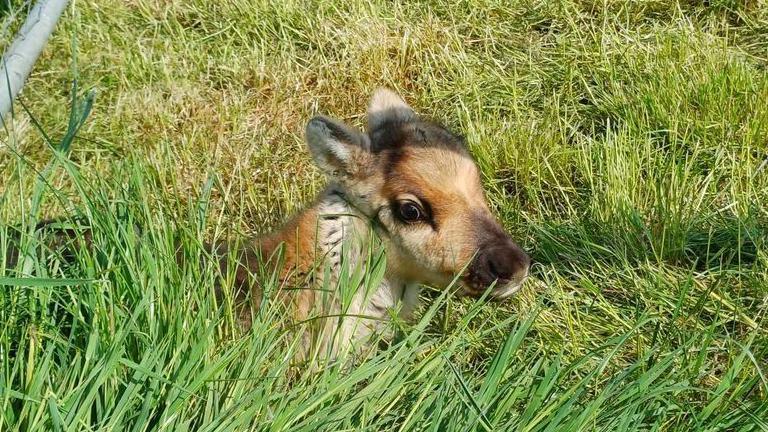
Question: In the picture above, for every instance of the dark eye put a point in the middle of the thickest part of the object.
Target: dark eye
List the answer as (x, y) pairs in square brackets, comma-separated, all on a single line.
[(410, 211)]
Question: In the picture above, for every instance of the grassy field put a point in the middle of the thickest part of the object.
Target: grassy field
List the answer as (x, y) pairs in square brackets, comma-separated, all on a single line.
[(625, 144)]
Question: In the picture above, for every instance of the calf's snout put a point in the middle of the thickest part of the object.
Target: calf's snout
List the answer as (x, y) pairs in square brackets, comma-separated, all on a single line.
[(504, 263)]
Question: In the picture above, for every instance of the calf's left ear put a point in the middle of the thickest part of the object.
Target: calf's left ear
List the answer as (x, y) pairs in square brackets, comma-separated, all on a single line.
[(340, 151), (385, 107)]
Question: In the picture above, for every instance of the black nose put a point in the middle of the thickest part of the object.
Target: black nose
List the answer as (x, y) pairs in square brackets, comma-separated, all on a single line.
[(503, 263)]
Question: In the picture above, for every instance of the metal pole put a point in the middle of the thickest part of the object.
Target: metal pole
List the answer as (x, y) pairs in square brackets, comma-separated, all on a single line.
[(26, 47)]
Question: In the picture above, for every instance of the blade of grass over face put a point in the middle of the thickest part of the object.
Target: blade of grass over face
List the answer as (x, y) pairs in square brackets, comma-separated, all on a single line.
[(624, 144)]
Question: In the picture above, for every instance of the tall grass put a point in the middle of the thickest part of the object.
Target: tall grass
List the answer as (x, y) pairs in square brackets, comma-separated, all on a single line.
[(623, 143)]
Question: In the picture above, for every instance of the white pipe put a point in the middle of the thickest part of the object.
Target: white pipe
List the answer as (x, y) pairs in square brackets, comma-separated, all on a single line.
[(26, 47)]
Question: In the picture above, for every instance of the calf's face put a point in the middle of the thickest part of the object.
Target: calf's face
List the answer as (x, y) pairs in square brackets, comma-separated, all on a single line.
[(418, 183)]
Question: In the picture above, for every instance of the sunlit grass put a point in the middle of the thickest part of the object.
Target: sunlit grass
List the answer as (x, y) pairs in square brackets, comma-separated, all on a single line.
[(623, 143)]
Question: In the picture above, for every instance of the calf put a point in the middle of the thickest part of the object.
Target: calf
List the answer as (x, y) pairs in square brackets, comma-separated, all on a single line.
[(406, 189)]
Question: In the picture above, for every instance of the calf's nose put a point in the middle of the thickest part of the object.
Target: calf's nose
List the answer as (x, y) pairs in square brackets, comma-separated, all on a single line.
[(503, 263)]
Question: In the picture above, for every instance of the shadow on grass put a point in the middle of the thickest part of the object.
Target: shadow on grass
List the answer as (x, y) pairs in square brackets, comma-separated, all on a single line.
[(725, 242)]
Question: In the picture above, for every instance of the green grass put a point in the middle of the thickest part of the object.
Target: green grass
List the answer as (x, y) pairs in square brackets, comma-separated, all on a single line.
[(625, 144)]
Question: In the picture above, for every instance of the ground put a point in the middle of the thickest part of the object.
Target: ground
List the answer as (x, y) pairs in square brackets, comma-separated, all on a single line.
[(624, 144)]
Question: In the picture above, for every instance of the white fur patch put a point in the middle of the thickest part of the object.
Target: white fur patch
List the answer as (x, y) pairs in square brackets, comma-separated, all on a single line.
[(344, 237)]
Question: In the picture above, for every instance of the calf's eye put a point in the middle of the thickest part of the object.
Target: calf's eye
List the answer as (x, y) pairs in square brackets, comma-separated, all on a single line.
[(410, 211)]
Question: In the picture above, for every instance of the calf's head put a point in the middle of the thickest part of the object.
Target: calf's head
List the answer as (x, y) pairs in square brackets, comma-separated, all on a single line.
[(420, 186)]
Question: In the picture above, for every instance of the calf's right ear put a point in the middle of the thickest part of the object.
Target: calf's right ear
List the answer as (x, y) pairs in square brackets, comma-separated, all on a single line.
[(340, 151)]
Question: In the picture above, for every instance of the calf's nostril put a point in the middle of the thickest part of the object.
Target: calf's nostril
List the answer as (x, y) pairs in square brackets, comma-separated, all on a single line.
[(492, 269), (500, 265), (507, 263)]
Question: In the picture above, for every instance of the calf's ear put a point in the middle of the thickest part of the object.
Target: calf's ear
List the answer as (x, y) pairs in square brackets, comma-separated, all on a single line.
[(340, 151), (387, 107)]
